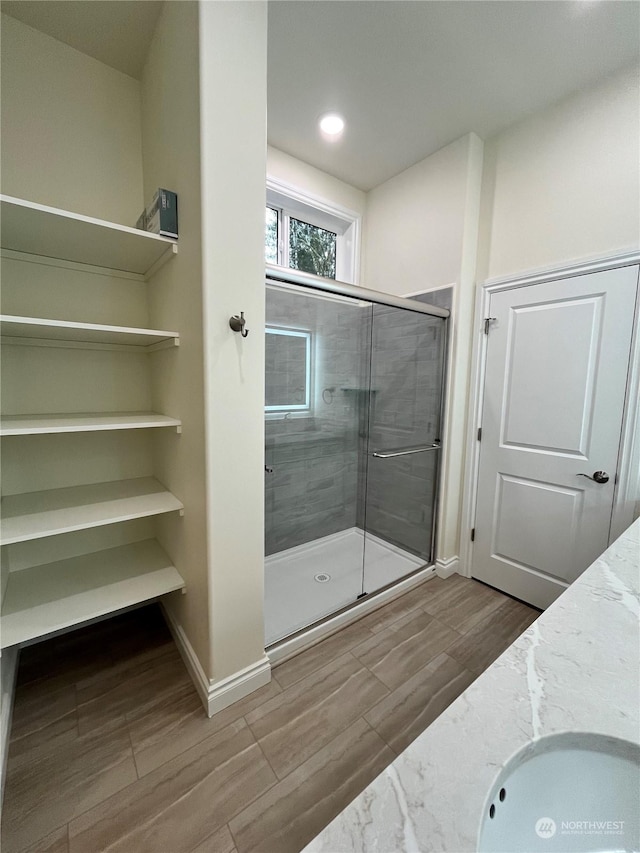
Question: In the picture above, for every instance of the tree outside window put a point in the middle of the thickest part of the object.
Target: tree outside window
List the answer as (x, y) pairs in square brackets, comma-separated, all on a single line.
[(299, 245), (312, 249)]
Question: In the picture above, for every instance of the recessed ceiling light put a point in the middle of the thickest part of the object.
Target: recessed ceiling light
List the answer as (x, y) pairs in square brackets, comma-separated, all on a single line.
[(332, 124)]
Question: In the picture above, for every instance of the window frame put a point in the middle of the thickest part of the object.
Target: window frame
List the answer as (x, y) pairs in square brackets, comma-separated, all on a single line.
[(278, 214), (290, 201), (296, 408)]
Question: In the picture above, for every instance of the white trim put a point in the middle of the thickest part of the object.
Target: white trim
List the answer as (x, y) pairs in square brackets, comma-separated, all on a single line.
[(188, 655), (448, 567), (290, 647), (338, 214), (39, 229), (599, 264), (345, 222), (624, 499), (271, 329), (94, 621), (53, 344), (162, 260), (13, 326), (42, 260), (472, 457), (217, 695), (9, 666), (235, 687), (448, 405)]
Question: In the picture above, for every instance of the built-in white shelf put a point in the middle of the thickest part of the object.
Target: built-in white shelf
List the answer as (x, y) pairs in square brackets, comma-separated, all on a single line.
[(54, 596), (41, 230), (33, 515), (39, 329), (42, 424)]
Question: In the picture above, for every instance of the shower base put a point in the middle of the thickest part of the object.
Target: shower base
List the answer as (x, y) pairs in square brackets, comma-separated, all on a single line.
[(298, 593)]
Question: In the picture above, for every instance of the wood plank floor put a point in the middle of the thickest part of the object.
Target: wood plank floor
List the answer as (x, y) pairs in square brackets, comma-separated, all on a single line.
[(111, 749)]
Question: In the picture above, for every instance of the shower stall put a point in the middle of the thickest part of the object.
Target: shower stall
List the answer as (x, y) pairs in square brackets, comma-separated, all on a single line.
[(353, 416)]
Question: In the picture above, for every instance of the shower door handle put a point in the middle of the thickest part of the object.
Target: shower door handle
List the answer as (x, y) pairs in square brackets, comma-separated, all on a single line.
[(407, 451)]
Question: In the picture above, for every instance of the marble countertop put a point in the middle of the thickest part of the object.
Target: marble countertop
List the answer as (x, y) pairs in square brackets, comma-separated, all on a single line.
[(574, 669)]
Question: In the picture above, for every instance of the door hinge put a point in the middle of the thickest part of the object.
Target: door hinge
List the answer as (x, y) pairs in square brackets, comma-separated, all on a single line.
[(488, 320), (479, 433), (473, 534)]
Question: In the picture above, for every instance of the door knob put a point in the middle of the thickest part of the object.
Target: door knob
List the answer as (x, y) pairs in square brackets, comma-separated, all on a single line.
[(598, 476)]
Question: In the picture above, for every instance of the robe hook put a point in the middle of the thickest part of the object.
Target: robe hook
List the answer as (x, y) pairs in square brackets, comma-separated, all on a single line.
[(237, 323)]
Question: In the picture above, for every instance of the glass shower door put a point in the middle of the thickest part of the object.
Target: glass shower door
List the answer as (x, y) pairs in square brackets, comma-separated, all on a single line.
[(317, 380), (403, 448)]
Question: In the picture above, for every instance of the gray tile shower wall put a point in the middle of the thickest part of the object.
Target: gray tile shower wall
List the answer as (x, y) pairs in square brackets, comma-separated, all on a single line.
[(443, 298), (398, 494), (324, 479), (312, 491)]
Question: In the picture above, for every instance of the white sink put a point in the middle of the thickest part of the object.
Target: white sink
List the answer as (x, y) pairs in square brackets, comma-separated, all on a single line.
[(565, 793)]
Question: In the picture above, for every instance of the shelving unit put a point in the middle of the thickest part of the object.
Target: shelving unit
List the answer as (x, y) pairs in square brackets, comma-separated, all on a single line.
[(37, 329), (41, 599), (58, 595), (37, 514), (49, 424), (40, 230)]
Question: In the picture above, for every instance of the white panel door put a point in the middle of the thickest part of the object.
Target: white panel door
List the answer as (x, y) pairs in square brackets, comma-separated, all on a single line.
[(556, 370)]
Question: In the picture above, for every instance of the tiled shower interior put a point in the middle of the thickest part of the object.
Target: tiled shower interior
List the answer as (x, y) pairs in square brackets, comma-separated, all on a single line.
[(353, 378)]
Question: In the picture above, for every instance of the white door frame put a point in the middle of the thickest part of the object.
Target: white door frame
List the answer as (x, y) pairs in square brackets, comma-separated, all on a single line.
[(627, 490)]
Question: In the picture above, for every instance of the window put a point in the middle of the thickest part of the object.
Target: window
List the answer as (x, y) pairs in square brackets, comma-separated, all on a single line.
[(310, 234), (291, 242), (288, 370), (271, 236)]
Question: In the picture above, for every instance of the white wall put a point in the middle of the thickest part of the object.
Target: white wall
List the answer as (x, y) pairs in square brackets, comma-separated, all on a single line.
[(171, 147), (233, 45), (215, 380), (421, 233), (70, 128), (559, 186), (309, 185), (564, 184), (415, 222), (71, 139), (310, 180)]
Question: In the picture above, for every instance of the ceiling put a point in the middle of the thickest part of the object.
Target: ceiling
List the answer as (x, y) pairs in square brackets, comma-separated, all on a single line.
[(116, 33), (409, 77)]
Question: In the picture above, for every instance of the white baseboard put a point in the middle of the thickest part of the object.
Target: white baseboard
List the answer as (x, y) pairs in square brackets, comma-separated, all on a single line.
[(229, 690), (448, 567), (216, 695), (188, 655), (9, 665)]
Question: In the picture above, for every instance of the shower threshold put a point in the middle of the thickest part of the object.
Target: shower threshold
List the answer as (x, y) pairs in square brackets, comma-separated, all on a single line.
[(314, 580)]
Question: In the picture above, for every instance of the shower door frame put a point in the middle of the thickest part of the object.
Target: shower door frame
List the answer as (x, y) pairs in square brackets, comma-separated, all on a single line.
[(341, 288), (291, 644)]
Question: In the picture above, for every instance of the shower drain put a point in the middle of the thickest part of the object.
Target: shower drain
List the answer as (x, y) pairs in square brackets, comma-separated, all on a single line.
[(322, 577)]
